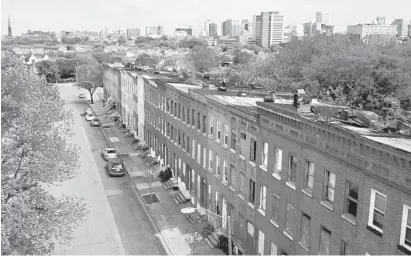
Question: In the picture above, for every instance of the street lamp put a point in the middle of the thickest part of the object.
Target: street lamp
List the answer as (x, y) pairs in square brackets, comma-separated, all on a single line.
[(192, 209)]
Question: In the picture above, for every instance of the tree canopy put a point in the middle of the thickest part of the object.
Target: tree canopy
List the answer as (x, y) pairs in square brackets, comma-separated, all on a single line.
[(49, 69), (36, 153), (90, 76)]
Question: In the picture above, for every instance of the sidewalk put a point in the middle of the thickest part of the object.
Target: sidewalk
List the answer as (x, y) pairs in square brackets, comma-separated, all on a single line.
[(172, 226)]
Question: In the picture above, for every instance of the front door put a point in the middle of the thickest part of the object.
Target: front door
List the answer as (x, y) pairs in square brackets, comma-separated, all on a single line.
[(224, 220)]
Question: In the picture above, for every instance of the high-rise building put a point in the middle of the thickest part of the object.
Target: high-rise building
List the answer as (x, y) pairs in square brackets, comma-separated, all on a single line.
[(133, 32), (189, 31), (322, 17), (212, 30), (9, 34), (154, 32), (269, 28), (380, 20), (230, 28), (206, 32), (364, 31), (402, 28), (245, 28)]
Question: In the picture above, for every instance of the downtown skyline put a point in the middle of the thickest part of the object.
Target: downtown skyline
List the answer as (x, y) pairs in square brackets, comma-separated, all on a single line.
[(58, 15)]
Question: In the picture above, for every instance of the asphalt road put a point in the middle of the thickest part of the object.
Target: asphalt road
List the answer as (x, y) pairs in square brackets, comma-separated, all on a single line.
[(135, 232)]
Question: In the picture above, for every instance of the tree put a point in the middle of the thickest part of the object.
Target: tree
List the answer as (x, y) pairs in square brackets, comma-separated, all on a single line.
[(193, 239), (191, 43), (151, 176), (204, 58), (67, 67), (49, 69), (145, 59), (68, 40), (36, 153), (122, 39), (90, 77)]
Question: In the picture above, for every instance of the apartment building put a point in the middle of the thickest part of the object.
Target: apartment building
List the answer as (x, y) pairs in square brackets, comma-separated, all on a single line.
[(291, 182), (268, 28)]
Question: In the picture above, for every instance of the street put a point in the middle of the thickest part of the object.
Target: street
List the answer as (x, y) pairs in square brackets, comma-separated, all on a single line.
[(118, 223)]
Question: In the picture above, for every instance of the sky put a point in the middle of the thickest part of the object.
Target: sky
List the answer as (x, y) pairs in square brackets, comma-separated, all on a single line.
[(94, 15)]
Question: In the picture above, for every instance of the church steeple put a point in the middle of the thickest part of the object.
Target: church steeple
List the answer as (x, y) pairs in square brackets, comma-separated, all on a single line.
[(10, 35)]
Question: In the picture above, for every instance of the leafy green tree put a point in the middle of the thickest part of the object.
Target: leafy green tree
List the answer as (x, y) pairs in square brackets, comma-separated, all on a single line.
[(145, 59), (48, 69), (36, 153), (203, 58), (90, 76), (67, 67), (68, 40), (191, 43), (122, 39)]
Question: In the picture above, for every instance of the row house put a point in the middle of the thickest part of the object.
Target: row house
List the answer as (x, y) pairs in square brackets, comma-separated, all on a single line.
[(290, 182)]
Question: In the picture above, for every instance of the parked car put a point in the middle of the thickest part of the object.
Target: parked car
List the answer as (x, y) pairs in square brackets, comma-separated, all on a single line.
[(81, 95), (88, 111), (115, 168), (95, 122), (90, 117), (109, 153)]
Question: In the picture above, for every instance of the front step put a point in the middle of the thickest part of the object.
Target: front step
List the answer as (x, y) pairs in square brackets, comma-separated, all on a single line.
[(215, 237), (209, 243), (213, 241)]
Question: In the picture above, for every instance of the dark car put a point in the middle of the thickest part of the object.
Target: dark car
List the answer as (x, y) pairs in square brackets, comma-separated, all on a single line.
[(115, 169)]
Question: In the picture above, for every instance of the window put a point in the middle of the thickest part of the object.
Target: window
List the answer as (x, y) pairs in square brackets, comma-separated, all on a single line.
[(273, 250), (175, 109), (188, 116), (305, 231), (217, 203), (204, 158), (225, 135), (198, 121), (209, 197), (233, 139), (325, 237), (346, 249), (210, 159), (172, 107), (193, 112), (263, 197), (218, 131), (225, 173), (264, 155), (183, 142), (377, 210), (194, 149), (233, 174), (405, 236), (243, 140), (329, 186), (172, 133), (351, 202), (290, 220), (278, 162), (217, 165), (179, 137), (261, 237), (188, 144), (309, 175), (204, 124), (211, 123), (243, 184), (292, 169), (253, 151), (251, 195), (198, 153), (184, 114), (275, 213)]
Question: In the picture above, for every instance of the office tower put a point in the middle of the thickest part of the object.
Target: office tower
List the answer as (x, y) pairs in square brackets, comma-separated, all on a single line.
[(269, 28), (322, 18), (207, 28), (402, 28), (212, 29), (380, 20), (230, 28)]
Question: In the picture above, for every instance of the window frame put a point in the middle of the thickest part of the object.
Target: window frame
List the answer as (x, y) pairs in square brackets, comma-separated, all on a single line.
[(327, 186), (406, 212), (349, 199), (211, 124), (264, 154), (308, 175), (304, 234), (210, 159), (263, 198), (253, 150), (218, 130), (251, 192), (275, 208), (324, 230), (371, 212), (226, 135), (292, 170), (233, 138)]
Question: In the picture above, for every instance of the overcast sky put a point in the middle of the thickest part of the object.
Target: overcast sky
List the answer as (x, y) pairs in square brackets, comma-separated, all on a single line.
[(56, 15)]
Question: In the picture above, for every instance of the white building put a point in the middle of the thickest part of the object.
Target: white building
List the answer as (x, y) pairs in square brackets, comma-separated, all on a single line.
[(365, 30), (128, 88), (268, 28)]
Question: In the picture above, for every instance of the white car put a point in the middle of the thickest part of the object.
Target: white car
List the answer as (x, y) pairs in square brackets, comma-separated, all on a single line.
[(109, 153), (89, 117), (81, 95), (88, 111)]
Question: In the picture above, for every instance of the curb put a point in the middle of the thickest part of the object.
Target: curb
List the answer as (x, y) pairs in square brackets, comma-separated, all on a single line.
[(164, 240)]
